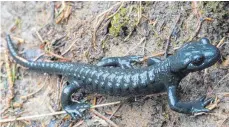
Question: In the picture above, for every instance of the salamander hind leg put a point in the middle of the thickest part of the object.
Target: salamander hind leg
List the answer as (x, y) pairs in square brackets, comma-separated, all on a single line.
[(123, 62), (74, 109)]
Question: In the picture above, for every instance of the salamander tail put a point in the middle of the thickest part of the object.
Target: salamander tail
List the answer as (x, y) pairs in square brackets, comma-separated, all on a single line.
[(14, 53)]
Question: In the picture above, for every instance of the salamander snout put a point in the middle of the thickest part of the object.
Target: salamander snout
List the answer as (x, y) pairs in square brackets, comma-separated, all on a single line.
[(195, 56), (203, 55)]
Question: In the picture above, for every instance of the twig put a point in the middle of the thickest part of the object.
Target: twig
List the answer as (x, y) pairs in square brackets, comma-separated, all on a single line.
[(39, 36), (99, 19), (195, 9), (199, 26), (95, 30), (106, 104), (122, 3), (106, 24), (103, 117), (142, 40), (35, 59), (69, 48), (54, 113), (221, 42), (157, 54), (114, 112), (31, 94), (51, 53), (60, 87), (143, 48), (169, 37), (52, 4), (224, 77), (58, 56), (224, 123), (78, 123), (197, 30), (31, 117)]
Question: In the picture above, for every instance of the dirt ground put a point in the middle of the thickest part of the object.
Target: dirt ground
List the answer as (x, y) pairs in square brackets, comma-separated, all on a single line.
[(127, 28)]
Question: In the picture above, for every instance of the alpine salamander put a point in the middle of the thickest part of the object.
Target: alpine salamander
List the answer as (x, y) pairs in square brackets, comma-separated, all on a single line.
[(117, 76)]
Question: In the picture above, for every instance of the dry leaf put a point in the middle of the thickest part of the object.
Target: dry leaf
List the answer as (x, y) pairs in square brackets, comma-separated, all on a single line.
[(226, 62), (59, 18), (67, 11)]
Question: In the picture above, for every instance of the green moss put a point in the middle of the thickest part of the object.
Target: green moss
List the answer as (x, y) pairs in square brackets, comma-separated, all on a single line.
[(118, 21), (214, 9), (211, 5), (124, 21)]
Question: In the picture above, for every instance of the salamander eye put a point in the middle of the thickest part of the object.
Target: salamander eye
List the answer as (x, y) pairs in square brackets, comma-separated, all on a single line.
[(198, 61)]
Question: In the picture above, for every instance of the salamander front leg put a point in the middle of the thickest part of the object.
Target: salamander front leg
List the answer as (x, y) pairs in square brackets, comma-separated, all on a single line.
[(152, 60), (123, 62), (74, 109), (192, 107)]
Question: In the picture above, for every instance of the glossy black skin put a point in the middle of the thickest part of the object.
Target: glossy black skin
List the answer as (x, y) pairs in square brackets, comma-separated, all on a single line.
[(116, 76)]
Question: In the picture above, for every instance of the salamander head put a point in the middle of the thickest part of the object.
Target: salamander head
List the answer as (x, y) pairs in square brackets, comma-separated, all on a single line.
[(195, 56)]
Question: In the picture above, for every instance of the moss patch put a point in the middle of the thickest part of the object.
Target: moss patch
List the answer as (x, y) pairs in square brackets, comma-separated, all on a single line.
[(125, 21)]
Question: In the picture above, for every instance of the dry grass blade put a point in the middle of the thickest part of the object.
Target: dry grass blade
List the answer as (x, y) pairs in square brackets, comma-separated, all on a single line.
[(39, 36), (139, 12), (68, 11), (10, 82), (59, 18)]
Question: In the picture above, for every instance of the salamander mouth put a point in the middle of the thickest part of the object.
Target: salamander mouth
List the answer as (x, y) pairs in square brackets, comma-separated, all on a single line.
[(212, 59)]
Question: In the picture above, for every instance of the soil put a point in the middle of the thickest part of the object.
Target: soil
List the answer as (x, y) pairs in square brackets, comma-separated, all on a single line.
[(25, 19)]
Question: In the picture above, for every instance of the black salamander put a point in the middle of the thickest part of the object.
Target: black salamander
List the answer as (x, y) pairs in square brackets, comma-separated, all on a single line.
[(117, 76)]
